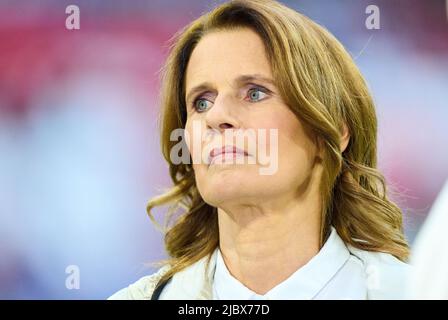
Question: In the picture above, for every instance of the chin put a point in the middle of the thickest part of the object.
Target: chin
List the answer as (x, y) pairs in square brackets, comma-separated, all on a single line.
[(226, 183), (219, 192)]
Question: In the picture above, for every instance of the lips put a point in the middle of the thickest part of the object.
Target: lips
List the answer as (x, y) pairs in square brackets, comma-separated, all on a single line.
[(226, 150)]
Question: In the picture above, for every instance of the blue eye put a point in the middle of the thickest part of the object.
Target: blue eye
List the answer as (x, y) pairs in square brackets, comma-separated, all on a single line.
[(201, 105), (254, 94)]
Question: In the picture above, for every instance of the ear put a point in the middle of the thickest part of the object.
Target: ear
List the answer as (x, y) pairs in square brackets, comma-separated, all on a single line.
[(345, 137), (319, 147)]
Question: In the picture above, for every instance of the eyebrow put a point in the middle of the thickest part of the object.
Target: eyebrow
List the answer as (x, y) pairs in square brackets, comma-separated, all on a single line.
[(238, 80)]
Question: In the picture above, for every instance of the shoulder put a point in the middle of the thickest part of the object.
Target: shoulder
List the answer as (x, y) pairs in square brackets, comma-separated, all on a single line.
[(142, 289), (386, 275)]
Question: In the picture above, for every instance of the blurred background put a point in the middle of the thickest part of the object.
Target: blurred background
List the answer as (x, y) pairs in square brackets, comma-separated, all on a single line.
[(79, 146)]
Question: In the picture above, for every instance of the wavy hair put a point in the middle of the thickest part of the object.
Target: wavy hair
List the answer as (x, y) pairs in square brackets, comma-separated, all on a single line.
[(321, 84)]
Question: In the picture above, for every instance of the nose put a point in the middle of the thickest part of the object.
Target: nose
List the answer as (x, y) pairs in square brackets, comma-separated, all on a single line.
[(222, 115)]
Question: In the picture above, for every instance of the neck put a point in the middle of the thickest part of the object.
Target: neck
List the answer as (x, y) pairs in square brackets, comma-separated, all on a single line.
[(263, 244)]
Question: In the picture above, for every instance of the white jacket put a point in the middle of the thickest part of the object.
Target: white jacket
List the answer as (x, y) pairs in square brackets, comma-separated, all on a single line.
[(429, 278), (385, 276)]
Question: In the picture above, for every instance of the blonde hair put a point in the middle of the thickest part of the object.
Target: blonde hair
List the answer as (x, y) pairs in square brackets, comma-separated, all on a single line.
[(321, 84)]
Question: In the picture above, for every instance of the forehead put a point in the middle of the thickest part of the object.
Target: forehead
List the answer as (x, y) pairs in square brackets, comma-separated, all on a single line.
[(223, 55)]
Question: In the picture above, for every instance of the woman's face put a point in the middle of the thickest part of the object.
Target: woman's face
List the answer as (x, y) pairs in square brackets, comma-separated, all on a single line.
[(230, 90)]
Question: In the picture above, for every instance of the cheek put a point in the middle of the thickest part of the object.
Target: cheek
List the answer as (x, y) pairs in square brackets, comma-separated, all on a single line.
[(297, 153), (188, 135), (194, 129), (199, 173), (296, 149), (199, 169)]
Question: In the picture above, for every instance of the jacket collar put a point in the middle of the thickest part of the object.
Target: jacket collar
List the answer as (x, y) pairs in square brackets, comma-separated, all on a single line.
[(305, 283), (196, 281), (386, 275)]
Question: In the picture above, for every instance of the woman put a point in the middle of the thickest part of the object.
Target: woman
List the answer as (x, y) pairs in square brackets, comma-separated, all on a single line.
[(318, 226)]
